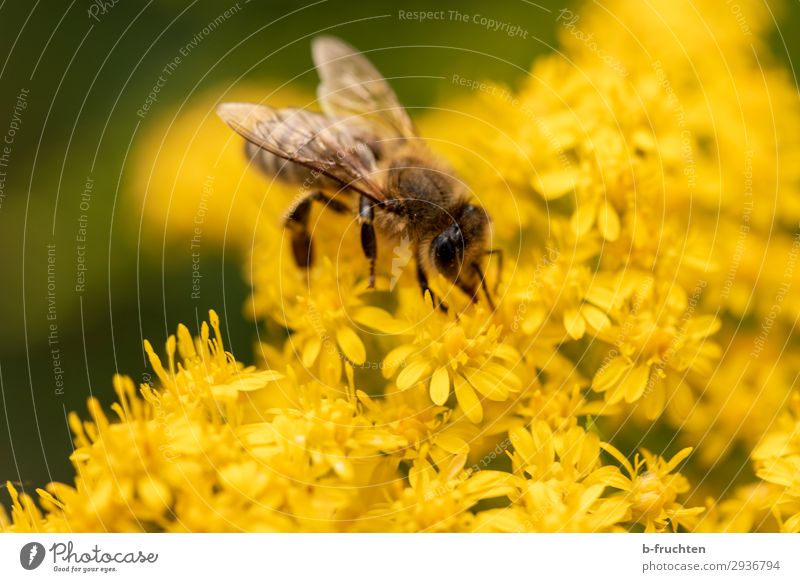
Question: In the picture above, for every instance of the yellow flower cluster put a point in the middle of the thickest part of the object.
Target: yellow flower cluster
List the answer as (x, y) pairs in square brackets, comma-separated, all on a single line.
[(644, 193), (222, 447), (777, 462)]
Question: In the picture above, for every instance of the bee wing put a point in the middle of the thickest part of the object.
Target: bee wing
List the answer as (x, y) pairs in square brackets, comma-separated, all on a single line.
[(320, 143), (352, 87)]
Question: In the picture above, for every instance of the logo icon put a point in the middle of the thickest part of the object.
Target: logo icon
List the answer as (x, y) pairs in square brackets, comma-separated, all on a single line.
[(31, 555)]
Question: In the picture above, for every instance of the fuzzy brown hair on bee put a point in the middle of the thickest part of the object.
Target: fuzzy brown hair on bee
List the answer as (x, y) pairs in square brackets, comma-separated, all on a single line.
[(363, 155)]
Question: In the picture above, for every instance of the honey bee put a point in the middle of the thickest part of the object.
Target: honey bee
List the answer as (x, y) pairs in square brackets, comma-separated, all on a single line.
[(363, 155)]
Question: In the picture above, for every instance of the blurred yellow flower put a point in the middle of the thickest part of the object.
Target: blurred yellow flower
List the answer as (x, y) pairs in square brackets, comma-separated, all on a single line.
[(192, 182), (777, 462), (652, 488)]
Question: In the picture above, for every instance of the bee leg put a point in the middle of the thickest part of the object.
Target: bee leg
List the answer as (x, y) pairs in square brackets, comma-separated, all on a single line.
[(296, 222), (366, 213), (422, 279)]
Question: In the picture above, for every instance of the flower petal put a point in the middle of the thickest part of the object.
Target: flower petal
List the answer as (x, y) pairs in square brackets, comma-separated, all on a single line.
[(376, 318), (330, 364), (508, 353), (574, 323), (653, 403), (602, 297), (608, 222), (504, 375), (555, 184), (596, 319), (468, 400), (610, 374), (421, 475), (256, 381), (488, 385), (351, 345), (702, 326), (396, 358), (582, 219), (636, 383), (311, 351), (440, 386), (412, 374), (452, 444)]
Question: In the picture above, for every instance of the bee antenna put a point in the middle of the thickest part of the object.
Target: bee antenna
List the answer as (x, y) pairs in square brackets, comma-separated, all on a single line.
[(484, 287)]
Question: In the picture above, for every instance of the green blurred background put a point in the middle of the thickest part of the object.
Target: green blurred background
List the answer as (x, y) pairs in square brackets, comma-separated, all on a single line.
[(86, 78)]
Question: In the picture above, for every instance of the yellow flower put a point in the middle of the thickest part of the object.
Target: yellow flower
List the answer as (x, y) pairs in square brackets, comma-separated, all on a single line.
[(438, 499), (746, 510), (652, 489), (25, 515), (466, 356), (743, 399), (193, 185), (559, 298), (179, 457), (561, 484), (325, 316), (661, 346), (777, 461)]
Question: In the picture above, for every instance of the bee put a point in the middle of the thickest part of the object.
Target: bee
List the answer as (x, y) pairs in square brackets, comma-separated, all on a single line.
[(362, 155)]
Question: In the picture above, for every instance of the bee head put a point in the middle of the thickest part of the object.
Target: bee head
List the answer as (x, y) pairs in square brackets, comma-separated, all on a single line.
[(459, 252)]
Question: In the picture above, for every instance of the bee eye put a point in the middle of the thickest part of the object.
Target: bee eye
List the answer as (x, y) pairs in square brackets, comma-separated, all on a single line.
[(446, 250)]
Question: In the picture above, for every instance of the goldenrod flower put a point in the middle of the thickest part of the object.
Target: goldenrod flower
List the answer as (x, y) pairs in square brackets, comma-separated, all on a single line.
[(466, 357), (747, 509), (777, 461), (325, 314), (652, 489), (561, 484), (439, 498), (660, 348)]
